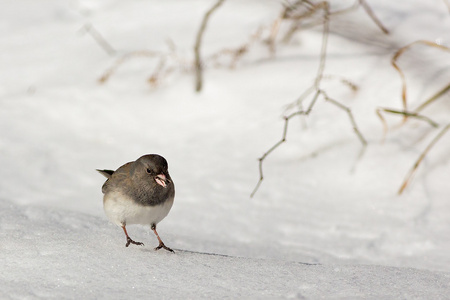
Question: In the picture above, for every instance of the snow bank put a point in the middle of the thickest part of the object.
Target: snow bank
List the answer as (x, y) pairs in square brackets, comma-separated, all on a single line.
[(61, 254)]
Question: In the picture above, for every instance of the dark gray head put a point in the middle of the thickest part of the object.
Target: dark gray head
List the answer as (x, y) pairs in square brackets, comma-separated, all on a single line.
[(151, 167), (151, 182)]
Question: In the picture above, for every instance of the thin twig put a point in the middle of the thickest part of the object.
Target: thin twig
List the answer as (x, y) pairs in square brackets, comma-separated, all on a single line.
[(421, 157), (350, 115), (301, 112), (372, 16), (107, 74), (315, 87), (273, 35), (410, 114), (402, 75), (322, 59), (323, 50), (314, 100), (433, 98), (276, 145), (353, 86), (156, 75), (383, 121), (415, 114), (198, 41), (297, 18), (89, 28), (236, 53), (447, 3)]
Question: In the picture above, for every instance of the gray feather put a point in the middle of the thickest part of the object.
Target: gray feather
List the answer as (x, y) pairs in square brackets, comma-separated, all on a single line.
[(106, 173)]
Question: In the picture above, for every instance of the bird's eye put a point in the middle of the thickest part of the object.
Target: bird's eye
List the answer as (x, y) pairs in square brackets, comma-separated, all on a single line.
[(149, 171)]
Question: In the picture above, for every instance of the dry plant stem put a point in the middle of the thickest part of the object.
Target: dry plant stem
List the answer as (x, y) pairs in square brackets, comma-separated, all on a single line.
[(350, 115), (273, 35), (447, 3), (399, 70), (407, 114), (322, 61), (423, 105), (277, 144), (156, 75), (198, 41), (287, 14), (433, 98), (372, 16), (297, 24), (323, 51), (343, 80), (301, 112), (383, 121), (325, 7), (236, 53), (123, 59), (99, 39), (314, 100), (420, 159), (315, 88), (368, 10)]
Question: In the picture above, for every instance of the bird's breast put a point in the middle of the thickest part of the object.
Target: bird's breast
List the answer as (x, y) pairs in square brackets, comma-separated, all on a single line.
[(121, 210)]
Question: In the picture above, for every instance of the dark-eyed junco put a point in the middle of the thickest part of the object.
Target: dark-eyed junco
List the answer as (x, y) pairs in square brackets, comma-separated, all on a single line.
[(139, 192)]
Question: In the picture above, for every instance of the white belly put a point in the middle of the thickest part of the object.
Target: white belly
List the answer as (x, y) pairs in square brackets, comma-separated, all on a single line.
[(123, 211)]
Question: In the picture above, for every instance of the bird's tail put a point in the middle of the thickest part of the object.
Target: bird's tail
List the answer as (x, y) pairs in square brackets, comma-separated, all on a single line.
[(106, 173)]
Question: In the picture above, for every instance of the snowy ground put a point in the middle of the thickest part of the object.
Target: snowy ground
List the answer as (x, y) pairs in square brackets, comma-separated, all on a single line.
[(324, 223)]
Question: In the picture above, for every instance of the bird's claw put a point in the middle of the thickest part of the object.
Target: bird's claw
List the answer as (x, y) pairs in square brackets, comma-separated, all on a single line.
[(161, 245), (130, 241)]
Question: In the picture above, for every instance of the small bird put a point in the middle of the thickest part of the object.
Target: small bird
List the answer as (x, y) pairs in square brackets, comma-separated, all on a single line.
[(139, 192)]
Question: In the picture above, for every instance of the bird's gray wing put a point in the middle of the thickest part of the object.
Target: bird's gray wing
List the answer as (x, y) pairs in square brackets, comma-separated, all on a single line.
[(117, 178)]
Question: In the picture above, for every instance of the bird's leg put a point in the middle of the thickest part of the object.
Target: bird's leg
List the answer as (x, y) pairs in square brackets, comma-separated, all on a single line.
[(161, 244), (129, 240)]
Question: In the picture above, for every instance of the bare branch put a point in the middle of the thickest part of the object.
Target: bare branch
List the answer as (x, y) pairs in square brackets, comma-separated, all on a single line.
[(409, 114), (198, 41), (89, 28), (289, 13), (447, 3), (314, 100), (322, 59), (420, 159), (156, 75), (372, 16), (273, 35), (315, 87), (123, 59), (323, 51), (301, 112), (415, 113), (354, 87), (433, 98), (383, 121), (402, 75), (350, 115), (276, 145), (236, 53)]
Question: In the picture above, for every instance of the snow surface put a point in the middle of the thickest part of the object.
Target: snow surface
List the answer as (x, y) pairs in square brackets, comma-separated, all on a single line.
[(324, 224)]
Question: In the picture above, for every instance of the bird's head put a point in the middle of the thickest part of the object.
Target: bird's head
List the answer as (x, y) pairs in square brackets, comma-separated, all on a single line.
[(154, 167)]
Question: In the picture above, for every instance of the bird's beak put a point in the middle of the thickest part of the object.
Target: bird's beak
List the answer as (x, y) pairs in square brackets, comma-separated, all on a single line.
[(161, 180)]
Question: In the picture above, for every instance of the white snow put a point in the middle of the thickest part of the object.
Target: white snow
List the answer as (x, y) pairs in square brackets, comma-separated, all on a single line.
[(324, 223)]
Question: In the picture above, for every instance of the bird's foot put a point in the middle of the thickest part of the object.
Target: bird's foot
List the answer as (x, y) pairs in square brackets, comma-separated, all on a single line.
[(130, 241), (161, 245)]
